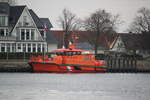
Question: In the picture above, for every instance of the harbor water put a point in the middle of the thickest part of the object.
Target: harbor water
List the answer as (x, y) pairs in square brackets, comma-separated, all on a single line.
[(105, 86)]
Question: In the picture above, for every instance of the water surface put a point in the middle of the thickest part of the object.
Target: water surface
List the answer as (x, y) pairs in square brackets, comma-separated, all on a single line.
[(107, 86)]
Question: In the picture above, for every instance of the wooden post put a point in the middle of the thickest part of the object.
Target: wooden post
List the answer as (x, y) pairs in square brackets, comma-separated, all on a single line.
[(123, 65), (127, 64), (135, 64), (111, 64), (119, 65)]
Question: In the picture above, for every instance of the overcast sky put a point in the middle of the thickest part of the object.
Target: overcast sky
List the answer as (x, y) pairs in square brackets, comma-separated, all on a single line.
[(83, 8)]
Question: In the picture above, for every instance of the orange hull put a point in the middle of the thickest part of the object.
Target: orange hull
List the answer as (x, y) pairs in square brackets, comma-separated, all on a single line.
[(55, 68)]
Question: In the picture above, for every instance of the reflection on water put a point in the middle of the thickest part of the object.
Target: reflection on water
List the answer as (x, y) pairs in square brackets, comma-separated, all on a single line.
[(27, 86)]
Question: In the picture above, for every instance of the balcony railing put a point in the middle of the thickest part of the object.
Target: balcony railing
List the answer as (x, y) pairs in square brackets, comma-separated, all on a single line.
[(7, 38)]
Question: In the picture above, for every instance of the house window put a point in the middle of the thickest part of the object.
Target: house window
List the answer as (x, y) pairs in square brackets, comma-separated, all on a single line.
[(22, 34), (43, 48), (24, 47), (27, 34), (34, 47), (3, 47), (8, 47), (19, 46), (32, 34), (2, 33), (29, 47), (2, 21), (13, 47), (6, 32), (39, 47), (42, 34)]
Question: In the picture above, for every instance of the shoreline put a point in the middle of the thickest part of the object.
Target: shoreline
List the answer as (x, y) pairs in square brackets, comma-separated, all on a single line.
[(15, 67), (21, 65)]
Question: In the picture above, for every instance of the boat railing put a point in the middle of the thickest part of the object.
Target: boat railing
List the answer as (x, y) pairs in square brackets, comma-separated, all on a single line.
[(35, 58)]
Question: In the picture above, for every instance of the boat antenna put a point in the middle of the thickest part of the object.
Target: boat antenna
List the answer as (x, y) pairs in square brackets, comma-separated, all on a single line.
[(63, 47)]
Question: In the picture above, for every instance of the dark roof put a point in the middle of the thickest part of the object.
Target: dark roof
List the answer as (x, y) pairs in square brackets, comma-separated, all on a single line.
[(46, 22), (36, 19), (40, 23), (136, 41), (15, 13), (4, 8), (50, 38)]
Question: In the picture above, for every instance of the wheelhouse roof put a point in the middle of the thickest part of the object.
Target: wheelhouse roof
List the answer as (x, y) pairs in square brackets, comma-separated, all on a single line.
[(59, 50)]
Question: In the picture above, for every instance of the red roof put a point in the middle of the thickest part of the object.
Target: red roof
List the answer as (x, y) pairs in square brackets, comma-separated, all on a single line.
[(105, 39)]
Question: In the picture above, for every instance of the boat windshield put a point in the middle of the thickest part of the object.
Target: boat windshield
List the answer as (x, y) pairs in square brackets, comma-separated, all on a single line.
[(69, 53)]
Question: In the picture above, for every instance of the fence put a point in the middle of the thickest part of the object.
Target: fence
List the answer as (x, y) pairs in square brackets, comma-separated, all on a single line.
[(121, 64), (17, 56)]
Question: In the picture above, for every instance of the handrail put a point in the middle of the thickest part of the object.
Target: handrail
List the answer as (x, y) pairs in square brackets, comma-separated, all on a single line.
[(7, 38)]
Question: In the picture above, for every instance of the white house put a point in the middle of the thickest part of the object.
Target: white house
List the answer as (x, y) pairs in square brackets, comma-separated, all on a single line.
[(132, 43), (21, 30), (118, 44)]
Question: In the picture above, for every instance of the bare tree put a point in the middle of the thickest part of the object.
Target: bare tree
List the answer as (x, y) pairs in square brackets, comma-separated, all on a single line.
[(141, 23), (69, 22), (100, 22)]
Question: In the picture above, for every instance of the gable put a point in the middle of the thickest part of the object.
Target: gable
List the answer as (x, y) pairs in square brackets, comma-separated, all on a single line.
[(15, 13), (26, 21), (119, 45)]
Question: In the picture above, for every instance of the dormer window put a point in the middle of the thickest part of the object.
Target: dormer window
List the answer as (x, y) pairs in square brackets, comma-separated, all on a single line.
[(3, 21)]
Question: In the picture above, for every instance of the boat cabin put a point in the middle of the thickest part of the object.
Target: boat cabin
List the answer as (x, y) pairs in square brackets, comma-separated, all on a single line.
[(67, 52)]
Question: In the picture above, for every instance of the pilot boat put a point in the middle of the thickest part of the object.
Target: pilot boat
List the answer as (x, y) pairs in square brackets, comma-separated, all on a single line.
[(67, 61)]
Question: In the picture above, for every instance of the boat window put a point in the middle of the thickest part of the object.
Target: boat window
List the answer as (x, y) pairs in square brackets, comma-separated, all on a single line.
[(74, 53), (68, 53), (78, 53), (77, 68), (59, 53), (65, 53)]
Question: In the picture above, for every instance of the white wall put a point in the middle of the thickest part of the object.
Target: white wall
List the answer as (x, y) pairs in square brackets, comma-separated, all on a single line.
[(119, 46)]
